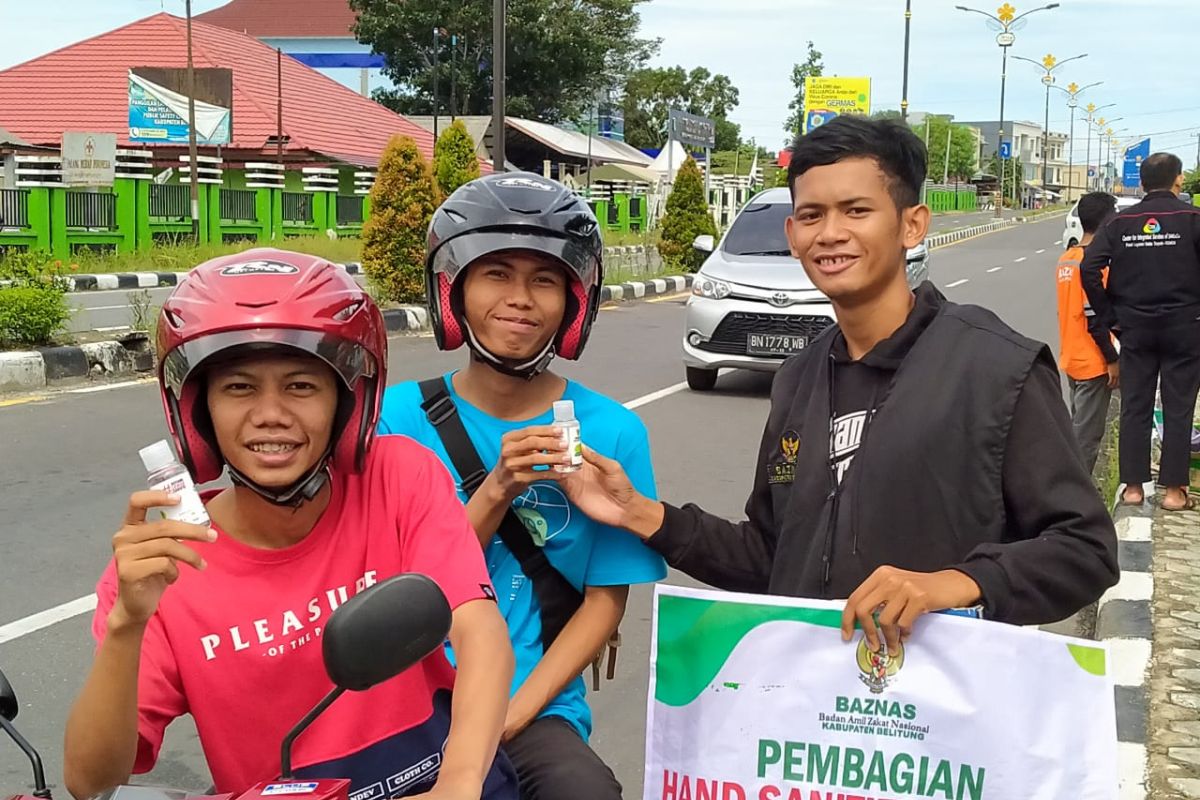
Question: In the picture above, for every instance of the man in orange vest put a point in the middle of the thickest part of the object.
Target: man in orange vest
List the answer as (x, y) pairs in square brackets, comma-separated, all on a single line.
[(1087, 357)]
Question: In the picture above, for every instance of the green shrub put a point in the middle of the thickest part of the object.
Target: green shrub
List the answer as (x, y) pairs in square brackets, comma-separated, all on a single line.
[(33, 303), (402, 203), (686, 218), (454, 159), (31, 315)]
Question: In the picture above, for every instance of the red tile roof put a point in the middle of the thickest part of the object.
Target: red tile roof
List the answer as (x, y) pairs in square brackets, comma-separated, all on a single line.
[(268, 18), (85, 87)]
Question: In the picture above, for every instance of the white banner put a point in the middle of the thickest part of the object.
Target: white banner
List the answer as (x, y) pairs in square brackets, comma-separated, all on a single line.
[(758, 698)]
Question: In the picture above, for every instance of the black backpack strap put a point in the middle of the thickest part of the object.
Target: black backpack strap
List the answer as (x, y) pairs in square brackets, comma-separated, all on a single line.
[(557, 599)]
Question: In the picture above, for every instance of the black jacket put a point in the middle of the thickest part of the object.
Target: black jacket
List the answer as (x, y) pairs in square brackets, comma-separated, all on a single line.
[(969, 462), (1153, 254)]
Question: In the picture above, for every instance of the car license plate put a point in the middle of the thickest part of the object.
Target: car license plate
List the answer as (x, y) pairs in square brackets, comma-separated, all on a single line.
[(773, 344)]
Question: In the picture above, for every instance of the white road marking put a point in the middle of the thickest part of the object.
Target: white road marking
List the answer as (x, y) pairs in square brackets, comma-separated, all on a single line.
[(106, 387), (83, 605), (112, 328), (1022, 258), (44, 619), (659, 395), (958, 283), (995, 269), (1059, 242), (1039, 252)]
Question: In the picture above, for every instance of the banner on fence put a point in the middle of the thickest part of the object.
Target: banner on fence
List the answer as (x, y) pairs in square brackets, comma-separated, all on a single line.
[(89, 159), (158, 105), (826, 98), (758, 698)]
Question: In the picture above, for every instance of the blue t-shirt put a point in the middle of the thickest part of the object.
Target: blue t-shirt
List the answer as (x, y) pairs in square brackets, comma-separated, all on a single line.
[(585, 552)]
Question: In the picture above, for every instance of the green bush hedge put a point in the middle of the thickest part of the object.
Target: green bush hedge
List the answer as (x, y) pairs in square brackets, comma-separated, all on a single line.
[(33, 303), (686, 218)]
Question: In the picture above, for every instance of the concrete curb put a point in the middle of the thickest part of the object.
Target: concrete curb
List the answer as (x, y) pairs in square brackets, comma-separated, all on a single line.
[(943, 239), (617, 256), (1124, 623), (30, 370)]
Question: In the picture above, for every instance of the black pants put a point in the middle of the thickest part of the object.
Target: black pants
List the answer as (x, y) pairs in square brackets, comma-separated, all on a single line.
[(554, 763), (1170, 355)]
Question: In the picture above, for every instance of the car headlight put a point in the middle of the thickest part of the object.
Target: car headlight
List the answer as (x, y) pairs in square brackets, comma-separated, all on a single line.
[(705, 286)]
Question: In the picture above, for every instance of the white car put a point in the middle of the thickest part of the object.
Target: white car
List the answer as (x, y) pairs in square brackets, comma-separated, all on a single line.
[(1073, 233)]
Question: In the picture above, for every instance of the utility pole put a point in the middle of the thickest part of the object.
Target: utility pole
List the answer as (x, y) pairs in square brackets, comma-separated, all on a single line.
[(435, 61), (498, 89), (907, 36), (194, 174)]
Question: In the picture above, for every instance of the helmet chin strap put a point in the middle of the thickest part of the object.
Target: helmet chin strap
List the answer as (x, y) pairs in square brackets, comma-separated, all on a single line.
[(294, 495), (528, 370)]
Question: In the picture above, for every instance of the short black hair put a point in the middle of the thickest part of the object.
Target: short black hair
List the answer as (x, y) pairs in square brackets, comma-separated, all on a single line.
[(1094, 209), (1160, 170), (899, 152)]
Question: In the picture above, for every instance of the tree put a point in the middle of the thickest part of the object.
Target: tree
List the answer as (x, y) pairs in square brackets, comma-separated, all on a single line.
[(651, 93), (887, 113), (1012, 186), (963, 153), (686, 218), (1191, 183), (560, 53), (402, 203), (811, 67), (454, 159)]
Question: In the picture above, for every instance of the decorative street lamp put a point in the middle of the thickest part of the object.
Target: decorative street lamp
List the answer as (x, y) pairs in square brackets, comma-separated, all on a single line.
[(1048, 64), (1092, 108), (1072, 92), (1006, 20)]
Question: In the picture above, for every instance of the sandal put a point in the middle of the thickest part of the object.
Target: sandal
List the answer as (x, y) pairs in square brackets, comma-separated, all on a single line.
[(1125, 502), (1188, 505)]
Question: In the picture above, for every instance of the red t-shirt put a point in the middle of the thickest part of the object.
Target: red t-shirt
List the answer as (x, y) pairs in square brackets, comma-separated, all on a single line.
[(238, 645)]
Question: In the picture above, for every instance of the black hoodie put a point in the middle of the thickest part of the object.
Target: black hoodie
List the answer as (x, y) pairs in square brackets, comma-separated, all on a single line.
[(962, 457)]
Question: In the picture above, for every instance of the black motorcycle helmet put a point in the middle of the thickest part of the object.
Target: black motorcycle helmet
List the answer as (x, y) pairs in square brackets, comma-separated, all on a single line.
[(513, 211)]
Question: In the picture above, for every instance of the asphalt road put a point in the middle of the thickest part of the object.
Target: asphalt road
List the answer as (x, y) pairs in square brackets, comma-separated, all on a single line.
[(70, 461), (112, 310)]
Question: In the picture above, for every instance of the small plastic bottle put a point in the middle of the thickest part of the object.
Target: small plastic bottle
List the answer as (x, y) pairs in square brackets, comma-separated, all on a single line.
[(564, 420), (168, 475)]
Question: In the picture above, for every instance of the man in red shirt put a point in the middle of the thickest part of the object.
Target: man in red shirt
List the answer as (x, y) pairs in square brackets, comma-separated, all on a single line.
[(1087, 355), (272, 366)]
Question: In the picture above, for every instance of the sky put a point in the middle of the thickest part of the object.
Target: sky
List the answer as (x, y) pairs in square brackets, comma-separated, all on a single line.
[(1142, 50)]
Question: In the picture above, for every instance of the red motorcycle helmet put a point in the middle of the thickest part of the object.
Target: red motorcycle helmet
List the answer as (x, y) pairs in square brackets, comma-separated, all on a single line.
[(271, 299)]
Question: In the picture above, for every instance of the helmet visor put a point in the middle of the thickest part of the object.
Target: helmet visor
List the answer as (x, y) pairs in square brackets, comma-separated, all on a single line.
[(348, 360), (457, 253)]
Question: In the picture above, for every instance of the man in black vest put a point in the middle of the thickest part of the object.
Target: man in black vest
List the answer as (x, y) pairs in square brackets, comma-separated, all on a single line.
[(1152, 301), (918, 456)]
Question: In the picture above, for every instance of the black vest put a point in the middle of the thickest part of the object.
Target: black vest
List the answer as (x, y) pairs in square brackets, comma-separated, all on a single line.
[(925, 487)]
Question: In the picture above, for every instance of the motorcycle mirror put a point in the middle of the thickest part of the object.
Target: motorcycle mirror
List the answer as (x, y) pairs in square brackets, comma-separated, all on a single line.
[(383, 631), (8, 699)]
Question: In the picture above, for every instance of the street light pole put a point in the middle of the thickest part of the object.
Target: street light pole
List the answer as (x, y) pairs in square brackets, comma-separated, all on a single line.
[(1048, 65), (1072, 92), (498, 67), (435, 62), (1007, 18), (192, 159), (907, 36)]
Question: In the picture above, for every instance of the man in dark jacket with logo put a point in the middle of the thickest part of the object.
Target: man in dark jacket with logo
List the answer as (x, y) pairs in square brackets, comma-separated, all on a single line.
[(1152, 303), (918, 456)]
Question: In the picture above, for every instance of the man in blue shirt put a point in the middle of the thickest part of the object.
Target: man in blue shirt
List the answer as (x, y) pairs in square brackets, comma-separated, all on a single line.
[(513, 270)]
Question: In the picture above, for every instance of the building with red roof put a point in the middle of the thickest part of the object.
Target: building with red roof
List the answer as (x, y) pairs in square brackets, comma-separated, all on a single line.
[(326, 19), (86, 87)]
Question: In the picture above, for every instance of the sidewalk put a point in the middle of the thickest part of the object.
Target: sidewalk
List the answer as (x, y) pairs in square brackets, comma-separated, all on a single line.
[(1173, 684)]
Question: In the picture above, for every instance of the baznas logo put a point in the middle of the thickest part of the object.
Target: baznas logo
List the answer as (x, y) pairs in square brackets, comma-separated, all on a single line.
[(525, 183), (260, 268), (789, 445), (878, 668), (1152, 226)]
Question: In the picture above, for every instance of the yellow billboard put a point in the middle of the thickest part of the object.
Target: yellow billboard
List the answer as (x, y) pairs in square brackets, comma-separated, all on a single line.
[(826, 98)]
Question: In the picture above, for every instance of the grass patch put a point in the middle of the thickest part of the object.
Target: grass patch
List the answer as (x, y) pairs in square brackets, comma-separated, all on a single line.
[(1108, 469), (182, 256)]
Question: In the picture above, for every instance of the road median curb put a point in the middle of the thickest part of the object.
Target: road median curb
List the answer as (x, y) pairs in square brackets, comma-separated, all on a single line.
[(30, 370)]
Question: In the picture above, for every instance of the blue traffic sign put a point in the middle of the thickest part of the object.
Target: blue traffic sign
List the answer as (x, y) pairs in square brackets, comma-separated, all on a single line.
[(1006, 150)]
